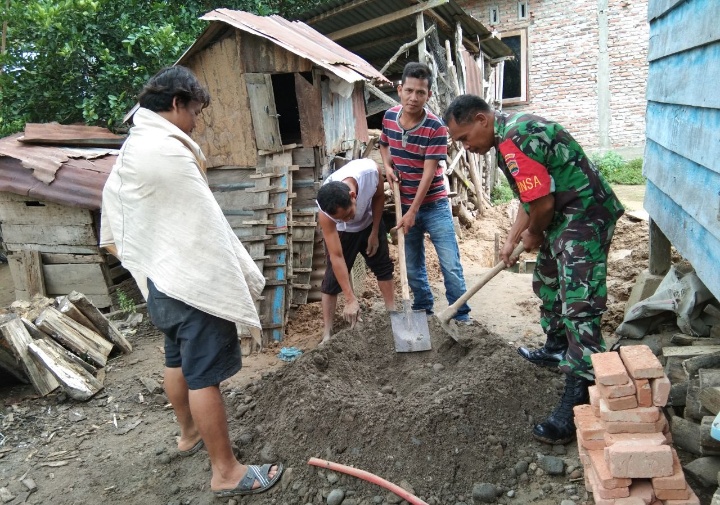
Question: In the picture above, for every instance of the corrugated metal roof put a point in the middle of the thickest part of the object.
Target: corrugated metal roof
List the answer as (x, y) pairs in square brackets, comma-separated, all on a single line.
[(67, 176), (295, 36), (379, 44)]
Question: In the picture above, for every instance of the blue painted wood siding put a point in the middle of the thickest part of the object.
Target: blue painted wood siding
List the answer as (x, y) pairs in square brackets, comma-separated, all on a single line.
[(682, 154)]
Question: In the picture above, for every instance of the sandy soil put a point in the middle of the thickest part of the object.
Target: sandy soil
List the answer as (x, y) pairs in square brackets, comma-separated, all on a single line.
[(442, 422)]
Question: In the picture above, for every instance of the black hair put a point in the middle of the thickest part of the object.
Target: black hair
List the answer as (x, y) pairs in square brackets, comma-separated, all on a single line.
[(333, 196), (176, 81), (464, 108), (418, 71)]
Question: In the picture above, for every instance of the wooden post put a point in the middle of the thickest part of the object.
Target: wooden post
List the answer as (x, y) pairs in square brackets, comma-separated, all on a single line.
[(461, 71), (31, 264), (16, 338), (420, 26), (476, 180), (660, 258)]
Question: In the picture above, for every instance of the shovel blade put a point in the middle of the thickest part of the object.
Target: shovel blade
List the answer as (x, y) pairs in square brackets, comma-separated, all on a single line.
[(410, 331)]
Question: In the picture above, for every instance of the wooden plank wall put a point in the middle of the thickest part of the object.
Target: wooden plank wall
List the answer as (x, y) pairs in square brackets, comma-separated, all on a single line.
[(683, 118), (224, 130), (338, 119), (66, 239)]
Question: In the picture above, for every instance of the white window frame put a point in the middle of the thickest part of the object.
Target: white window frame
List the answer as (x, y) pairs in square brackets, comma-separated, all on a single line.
[(523, 98), (494, 15), (522, 6)]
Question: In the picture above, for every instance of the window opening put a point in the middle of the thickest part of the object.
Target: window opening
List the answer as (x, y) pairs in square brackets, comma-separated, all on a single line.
[(286, 106)]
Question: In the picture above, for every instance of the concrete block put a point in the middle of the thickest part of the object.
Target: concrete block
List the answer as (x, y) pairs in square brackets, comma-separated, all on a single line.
[(674, 481), (639, 462), (616, 391), (635, 415), (609, 369), (643, 392), (660, 391), (645, 286), (640, 362)]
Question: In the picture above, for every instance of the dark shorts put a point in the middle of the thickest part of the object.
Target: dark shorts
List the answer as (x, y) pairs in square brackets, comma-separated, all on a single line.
[(205, 346), (356, 242)]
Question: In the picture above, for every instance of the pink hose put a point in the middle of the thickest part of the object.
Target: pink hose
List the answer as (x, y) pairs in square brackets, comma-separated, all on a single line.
[(362, 474)]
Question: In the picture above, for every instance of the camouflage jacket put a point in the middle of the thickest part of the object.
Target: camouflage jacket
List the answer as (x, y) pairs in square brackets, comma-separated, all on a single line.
[(540, 157)]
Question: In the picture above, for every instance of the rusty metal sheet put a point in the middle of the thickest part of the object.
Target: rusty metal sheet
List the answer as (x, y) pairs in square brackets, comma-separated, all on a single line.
[(295, 37), (76, 182), (70, 135)]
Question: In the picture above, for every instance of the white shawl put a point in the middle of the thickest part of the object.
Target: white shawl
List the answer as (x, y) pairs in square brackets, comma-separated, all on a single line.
[(158, 210)]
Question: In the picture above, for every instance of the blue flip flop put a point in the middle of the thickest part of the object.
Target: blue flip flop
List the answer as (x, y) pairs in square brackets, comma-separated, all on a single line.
[(254, 472)]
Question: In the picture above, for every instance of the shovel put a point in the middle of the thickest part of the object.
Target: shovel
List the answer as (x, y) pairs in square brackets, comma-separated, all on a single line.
[(410, 327), (447, 314)]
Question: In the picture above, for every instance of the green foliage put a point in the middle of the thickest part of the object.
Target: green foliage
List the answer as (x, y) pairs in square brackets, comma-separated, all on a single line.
[(85, 60), (127, 305), (616, 170), (501, 193)]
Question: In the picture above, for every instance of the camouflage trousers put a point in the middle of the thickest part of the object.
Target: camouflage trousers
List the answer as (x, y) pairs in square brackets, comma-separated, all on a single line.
[(572, 287)]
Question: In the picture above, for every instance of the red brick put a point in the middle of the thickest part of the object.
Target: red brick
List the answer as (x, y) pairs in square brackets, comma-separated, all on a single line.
[(693, 500), (620, 427), (624, 403), (643, 392), (630, 500), (640, 362), (639, 462), (636, 415), (597, 444), (656, 438), (609, 369), (602, 471), (642, 489), (606, 493), (674, 481), (660, 391), (591, 427), (673, 494), (617, 391)]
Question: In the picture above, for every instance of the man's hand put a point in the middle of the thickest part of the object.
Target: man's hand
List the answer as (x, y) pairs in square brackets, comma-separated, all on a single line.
[(505, 253), (351, 313), (531, 240), (406, 222), (390, 174), (373, 244)]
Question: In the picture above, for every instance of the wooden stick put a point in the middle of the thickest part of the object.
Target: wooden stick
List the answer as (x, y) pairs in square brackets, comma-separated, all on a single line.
[(405, 47), (17, 339), (75, 380), (81, 340), (103, 325)]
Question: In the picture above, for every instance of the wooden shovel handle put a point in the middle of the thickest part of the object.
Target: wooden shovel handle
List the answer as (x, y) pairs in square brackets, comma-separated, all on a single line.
[(401, 242), (448, 313)]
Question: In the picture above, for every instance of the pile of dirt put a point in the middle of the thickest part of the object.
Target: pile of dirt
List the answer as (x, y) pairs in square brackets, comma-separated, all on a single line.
[(441, 420)]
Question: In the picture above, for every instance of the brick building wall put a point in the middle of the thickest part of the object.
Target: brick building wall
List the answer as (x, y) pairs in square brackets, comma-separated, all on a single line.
[(564, 40)]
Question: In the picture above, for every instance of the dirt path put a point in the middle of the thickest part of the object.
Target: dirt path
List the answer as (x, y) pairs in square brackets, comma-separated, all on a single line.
[(451, 423)]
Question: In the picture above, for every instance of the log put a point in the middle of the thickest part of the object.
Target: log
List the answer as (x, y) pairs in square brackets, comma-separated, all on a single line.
[(66, 307), (689, 351), (693, 408), (103, 324), (685, 435), (81, 340), (693, 365), (16, 339), (37, 334), (710, 399), (708, 445), (465, 217), (75, 380)]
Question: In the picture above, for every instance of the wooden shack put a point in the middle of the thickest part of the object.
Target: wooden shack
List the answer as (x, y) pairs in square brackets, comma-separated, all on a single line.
[(683, 144), (287, 104), (51, 180)]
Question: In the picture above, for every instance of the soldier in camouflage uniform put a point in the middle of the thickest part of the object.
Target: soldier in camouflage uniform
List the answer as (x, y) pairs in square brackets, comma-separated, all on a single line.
[(569, 212)]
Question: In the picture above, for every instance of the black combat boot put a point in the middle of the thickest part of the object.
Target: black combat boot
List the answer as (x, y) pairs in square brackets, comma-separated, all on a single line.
[(549, 355), (559, 427)]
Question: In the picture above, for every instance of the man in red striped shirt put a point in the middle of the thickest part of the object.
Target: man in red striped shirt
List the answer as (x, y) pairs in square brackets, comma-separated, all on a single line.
[(413, 141)]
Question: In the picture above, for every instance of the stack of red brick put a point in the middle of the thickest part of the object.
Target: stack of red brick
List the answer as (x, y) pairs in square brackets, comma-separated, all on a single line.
[(623, 436)]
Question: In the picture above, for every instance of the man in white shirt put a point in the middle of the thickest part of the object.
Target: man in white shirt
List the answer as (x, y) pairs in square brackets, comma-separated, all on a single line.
[(351, 202)]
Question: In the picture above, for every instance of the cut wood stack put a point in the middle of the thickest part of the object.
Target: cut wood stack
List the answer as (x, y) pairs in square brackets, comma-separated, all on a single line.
[(623, 436), (66, 343)]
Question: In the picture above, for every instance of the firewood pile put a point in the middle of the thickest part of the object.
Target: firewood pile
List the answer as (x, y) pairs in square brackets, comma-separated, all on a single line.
[(63, 342)]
